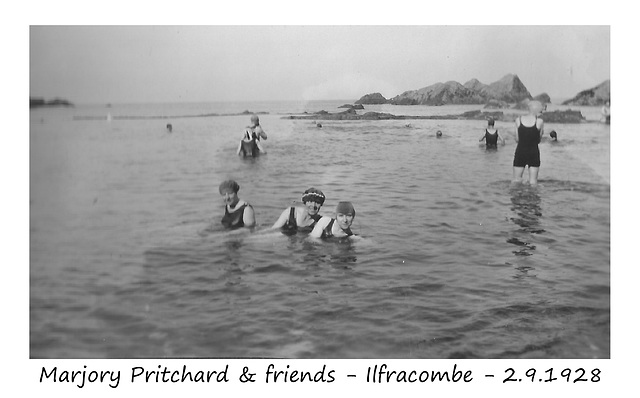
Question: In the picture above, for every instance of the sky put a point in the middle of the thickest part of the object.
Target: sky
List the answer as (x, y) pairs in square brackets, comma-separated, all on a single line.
[(160, 63)]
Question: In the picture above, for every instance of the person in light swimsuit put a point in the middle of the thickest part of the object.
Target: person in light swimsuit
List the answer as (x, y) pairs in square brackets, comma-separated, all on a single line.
[(237, 213), (338, 227), (302, 219), (529, 132)]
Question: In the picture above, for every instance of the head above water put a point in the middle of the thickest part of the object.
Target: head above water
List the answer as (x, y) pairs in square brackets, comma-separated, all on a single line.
[(535, 107), (345, 208), (313, 195), (228, 186), (438, 133), (553, 134)]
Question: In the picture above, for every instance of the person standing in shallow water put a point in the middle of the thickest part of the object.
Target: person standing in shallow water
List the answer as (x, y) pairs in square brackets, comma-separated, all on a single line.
[(338, 227), (237, 213), (529, 131), (251, 139), (297, 219), (491, 135)]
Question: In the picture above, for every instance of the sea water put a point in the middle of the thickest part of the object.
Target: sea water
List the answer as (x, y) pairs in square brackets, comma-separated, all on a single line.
[(452, 260)]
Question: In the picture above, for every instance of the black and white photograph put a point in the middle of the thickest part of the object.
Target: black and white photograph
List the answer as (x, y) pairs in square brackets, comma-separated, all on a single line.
[(438, 192)]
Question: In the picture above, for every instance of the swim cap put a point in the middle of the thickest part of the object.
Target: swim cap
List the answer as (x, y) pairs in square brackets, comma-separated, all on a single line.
[(345, 208), (313, 195), (254, 118), (438, 133), (229, 185)]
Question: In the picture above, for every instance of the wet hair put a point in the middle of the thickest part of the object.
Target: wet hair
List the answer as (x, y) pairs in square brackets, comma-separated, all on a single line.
[(345, 208), (313, 195), (553, 134), (491, 122), (229, 185)]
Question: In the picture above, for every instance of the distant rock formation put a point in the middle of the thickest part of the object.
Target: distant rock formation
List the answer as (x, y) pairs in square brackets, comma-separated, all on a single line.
[(356, 106), (595, 96), (35, 102), (372, 99), (508, 89), (495, 104), (566, 116), (543, 98)]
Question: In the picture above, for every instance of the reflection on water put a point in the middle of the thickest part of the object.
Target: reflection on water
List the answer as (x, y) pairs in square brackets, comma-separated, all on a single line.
[(525, 202)]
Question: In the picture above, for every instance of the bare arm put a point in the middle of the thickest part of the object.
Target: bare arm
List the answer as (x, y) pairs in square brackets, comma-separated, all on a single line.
[(249, 217), (260, 132), (320, 226), (282, 219), (516, 130)]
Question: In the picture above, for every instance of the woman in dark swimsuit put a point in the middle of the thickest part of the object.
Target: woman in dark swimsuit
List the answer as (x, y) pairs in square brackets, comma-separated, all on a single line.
[(294, 218), (491, 135), (338, 227), (529, 131), (237, 213)]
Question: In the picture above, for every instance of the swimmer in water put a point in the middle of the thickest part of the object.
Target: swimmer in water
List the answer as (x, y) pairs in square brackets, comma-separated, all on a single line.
[(553, 135), (302, 219), (251, 139), (169, 127), (529, 131), (491, 135), (237, 213), (338, 227), (438, 134)]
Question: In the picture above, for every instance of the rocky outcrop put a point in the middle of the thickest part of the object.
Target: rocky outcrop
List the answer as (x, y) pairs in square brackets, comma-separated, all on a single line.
[(508, 89), (372, 99), (567, 116), (348, 106), (595, 96), (41, 102), (495, 104), (543, 98)]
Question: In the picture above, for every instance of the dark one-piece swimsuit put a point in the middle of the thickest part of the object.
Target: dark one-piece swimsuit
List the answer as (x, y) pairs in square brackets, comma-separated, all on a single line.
[(250, 147), (291, 226), (527, 151), (491, 139), (234, 220), (327, 233)]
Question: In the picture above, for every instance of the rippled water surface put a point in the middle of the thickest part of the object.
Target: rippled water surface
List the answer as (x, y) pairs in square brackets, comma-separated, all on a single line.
[(453, 262)]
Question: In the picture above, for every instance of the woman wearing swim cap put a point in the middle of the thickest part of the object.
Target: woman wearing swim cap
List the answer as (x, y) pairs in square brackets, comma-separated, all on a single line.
[(529, 132), (237, 213), (338, 227), (294, 218)]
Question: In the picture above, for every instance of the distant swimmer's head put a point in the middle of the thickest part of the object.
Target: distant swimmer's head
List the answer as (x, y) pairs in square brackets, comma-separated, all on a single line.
[(345, 214), (169, 127), (255, 120), (491, 122), (554, 135), (535, 107), (319, 125), (438, 133)]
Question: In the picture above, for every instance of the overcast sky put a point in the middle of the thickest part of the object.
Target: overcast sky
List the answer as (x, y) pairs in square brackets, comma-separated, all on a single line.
[(114, 64)]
